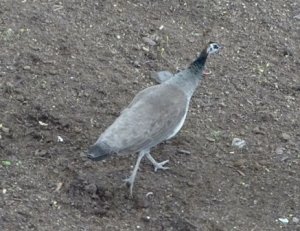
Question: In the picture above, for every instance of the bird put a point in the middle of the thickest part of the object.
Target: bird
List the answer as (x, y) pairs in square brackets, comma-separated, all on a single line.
[(155, 114)]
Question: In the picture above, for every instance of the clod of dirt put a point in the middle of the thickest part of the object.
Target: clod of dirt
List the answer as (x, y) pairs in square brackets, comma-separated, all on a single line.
[(210, 139), (279, 150), (241, 163), (136, 64), (88, 196), (183, 224), (295, 220), (285, 137), (8, 88), (266, 116), (141, 203), (259, 131), (91, 188), (287, 52), (296, 88), (149, 41), (36, 135), (40, 153), (100, 211)]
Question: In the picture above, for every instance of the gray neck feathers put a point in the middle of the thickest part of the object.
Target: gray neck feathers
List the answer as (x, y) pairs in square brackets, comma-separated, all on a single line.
[(188, 79)]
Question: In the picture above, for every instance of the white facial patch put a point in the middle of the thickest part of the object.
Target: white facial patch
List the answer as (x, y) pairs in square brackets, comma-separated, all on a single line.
[(213, 48)]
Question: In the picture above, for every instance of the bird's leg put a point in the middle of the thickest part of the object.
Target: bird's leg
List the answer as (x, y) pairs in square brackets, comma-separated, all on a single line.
[(156, 164), (130, 180)]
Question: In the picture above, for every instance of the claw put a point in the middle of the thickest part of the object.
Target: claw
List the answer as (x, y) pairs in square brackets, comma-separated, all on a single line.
[(160, 165), (156, 164)]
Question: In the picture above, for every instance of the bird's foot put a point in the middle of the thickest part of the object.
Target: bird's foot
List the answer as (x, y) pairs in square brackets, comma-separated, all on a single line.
[(157, 165), (129, 183), (160, 165)]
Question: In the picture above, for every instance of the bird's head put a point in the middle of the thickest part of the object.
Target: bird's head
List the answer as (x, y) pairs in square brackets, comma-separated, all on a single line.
[(213, 48)]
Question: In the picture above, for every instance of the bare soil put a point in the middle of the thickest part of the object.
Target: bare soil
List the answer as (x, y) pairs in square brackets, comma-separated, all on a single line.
[(67, 69)]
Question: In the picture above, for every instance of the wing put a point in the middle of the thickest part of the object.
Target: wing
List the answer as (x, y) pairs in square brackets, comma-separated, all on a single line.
[(153, 115), (161, 76)]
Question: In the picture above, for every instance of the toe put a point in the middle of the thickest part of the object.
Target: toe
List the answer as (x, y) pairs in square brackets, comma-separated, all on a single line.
[(164, 162), (161, 166)]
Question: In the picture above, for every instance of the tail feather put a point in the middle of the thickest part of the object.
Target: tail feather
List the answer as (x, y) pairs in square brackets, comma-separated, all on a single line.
[(99, 152)]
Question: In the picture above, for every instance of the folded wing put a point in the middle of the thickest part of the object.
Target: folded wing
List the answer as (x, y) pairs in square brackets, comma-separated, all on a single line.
[(153, 115)]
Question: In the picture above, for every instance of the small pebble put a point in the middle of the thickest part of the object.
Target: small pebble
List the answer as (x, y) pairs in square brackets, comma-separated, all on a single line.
[(284, 158), (58, 186), (42, 123), (136, 64), (146, 218), (239, 143), (295, 219), (26, 67), (210, 139), (191, 40), (4, 129), (284, 220), (145, 49), (285, 136), (279, 150), (190, 184), (53, 72), (41, 153), (149, 41), (181, 151), (60, 139)]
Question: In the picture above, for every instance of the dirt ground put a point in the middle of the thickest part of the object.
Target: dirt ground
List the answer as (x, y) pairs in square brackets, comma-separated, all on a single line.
[(67, 69)]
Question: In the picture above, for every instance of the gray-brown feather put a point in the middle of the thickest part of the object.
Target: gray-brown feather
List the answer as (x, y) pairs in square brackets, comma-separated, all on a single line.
[(151, 118)]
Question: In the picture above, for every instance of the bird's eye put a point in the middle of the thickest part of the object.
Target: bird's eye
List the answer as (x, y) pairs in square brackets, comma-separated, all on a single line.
[(216, 47)]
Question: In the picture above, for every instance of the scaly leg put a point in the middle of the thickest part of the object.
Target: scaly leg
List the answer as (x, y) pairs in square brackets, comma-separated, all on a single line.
[(130, 180), (156, 164)]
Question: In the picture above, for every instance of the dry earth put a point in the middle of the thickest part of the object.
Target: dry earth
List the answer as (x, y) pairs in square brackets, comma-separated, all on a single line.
[(67, 68)]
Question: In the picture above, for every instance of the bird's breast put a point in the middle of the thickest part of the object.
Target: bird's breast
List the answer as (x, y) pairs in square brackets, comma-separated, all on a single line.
[(180, 124)]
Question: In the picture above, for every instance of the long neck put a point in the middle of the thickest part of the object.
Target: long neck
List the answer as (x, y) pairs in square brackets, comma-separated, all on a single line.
[(198, 65), (188, 79)]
